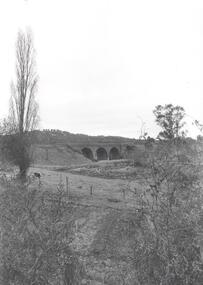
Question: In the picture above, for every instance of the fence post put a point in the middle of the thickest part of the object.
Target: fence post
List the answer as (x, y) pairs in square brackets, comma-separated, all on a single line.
[(39, 182), (91, 190), (67, 190), (124, 194), (76, 226), (60, 179)]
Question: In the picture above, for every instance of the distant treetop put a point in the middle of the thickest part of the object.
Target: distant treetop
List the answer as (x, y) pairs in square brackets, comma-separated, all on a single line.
[(170, 119)]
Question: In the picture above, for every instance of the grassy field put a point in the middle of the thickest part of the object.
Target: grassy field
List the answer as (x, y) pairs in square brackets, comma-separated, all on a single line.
[(102, 202), (102, 211), (52, 154), (91, 190)]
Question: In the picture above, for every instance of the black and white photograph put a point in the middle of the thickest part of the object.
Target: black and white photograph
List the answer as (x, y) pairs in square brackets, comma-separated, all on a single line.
[(101, 142)]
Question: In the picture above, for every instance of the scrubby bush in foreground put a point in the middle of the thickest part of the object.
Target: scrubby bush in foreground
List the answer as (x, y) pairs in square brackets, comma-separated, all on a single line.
[(169, 251), (35, 235)]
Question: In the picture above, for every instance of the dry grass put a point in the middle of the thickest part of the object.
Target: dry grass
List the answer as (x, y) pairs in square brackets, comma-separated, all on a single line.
[(104, 191), (101, 221), (56, 155)]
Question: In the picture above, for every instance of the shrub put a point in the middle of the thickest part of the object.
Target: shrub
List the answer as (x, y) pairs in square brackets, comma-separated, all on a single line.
[(169, 250), (35, 236)]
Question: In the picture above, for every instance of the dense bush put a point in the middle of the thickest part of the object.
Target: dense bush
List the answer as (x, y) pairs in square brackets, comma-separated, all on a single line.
[(169, 250), (35, 235)]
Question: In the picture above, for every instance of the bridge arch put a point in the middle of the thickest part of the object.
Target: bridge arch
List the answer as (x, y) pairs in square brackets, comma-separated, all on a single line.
[(114, 153), (101, 154), (87, 152)]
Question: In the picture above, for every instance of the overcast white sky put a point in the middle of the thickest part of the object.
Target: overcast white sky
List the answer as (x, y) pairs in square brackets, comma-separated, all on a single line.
[(105, 64)]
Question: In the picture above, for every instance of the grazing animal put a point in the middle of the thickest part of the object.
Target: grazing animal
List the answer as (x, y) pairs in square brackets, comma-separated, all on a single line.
[(37, 175)]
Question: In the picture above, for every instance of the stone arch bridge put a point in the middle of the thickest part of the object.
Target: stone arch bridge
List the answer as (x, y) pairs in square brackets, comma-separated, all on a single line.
[(105, 151)]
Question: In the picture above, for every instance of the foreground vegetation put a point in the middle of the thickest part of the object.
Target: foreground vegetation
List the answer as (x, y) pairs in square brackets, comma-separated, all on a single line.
[(49, 236)]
